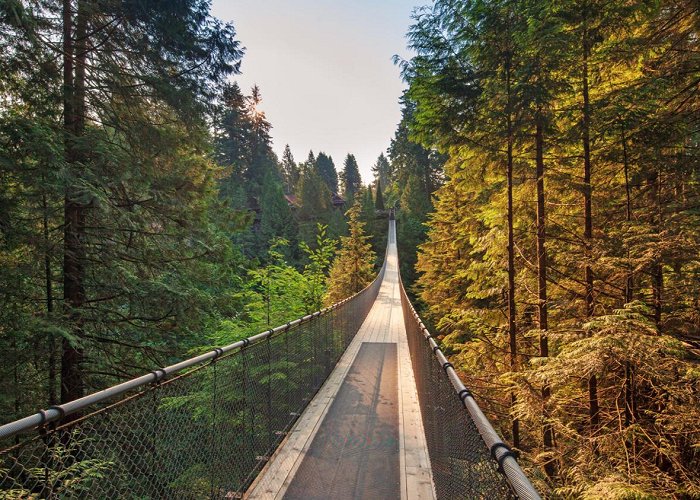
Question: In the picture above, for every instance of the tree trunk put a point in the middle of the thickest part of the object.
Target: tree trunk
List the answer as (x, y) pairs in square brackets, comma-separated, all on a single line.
[(512, 326), (542, 313), (630, 409), (593, 409), (657, 268), (51, 384), (72, 383), (629, 284)]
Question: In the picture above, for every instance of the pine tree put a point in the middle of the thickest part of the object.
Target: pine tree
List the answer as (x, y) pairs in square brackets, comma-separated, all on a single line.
[(232, 132), (559, 132), (262, 161), (326, 170), (383, 170), (350, 178), (135, 182), (276, 220), (314, 195), (353, 266), (311, 160), (290, 170), (367, 203), (379, 200)]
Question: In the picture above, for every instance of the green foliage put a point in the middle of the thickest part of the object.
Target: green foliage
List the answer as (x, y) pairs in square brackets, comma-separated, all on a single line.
[(353, 267), (314, 195), (350, 178), (290, 170), (326, 170), (316, 271), (367, 203), (276, 219), (129, 161), (416, 172), (383, 171), (599, 85), (379, 201), (276, 287), (648, 388)]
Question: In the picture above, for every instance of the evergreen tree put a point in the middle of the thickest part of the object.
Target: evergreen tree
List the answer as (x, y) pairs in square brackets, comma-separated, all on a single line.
[(135, 183), (314, 195), (326, 170), (315, 272), (418, 173), (549, 228), (350, 177), (379, 201), (244, 147), (311, 161), (276, 220), (262, 161), (232, 135), (383, 170), (290, 170), (353, 266), (367, 203), (408, 156)]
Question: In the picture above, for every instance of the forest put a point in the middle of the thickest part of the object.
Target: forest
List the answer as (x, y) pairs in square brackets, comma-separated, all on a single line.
[(561, 260), (144, 216), (545, 174)]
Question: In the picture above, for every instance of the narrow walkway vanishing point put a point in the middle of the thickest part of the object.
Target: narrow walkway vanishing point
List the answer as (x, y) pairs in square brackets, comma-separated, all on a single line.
[(362, 435)]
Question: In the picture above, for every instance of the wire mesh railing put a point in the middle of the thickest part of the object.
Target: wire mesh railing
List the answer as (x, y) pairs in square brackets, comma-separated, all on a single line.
[(467, 457), (202, 428)]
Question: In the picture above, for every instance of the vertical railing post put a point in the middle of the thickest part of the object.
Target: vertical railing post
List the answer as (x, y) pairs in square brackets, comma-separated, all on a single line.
[(326, 349), (212, 432), (314, 358), (154, 436), (249, 404), (45, 458), (269, 398)]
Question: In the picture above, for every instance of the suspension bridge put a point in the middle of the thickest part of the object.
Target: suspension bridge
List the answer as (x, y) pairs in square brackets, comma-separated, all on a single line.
[(354, 401)]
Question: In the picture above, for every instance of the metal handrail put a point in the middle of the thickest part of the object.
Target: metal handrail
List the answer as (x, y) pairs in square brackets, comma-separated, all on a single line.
[(59, 412), (500, 451)]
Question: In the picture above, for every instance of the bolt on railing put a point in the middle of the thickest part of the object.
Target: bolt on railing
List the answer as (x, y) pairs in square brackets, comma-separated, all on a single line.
[(201, 428)]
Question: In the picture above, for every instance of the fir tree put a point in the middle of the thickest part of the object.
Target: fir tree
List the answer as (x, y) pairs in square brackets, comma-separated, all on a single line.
[(326, 170), (353, 266), (135, 180), (276, 220), (290, 170), (383, 170), (379, 200), (350, 177), (367, 203), (314, 195), (545, 111)]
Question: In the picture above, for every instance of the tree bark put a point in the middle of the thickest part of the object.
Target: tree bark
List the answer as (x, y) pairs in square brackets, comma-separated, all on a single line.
[(51, 383), (593, 408), (629, 283), (657, 268), (74, 52), (630, 409), (542, 313), (512, 326)]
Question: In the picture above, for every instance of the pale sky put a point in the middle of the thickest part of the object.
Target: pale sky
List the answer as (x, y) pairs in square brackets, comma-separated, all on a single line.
[(325, 72)]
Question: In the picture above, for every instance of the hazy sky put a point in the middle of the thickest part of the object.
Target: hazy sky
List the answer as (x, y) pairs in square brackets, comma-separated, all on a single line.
[(325, 71)]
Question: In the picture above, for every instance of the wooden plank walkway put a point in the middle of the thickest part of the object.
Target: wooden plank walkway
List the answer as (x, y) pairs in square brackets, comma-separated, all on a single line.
[(384, 324)]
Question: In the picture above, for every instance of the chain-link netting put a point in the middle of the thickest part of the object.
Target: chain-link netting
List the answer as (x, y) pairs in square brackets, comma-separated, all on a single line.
[(461, 461), (202, 434)]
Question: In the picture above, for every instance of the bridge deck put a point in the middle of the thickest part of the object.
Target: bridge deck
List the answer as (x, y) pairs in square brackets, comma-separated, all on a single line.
[(362, 435)]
